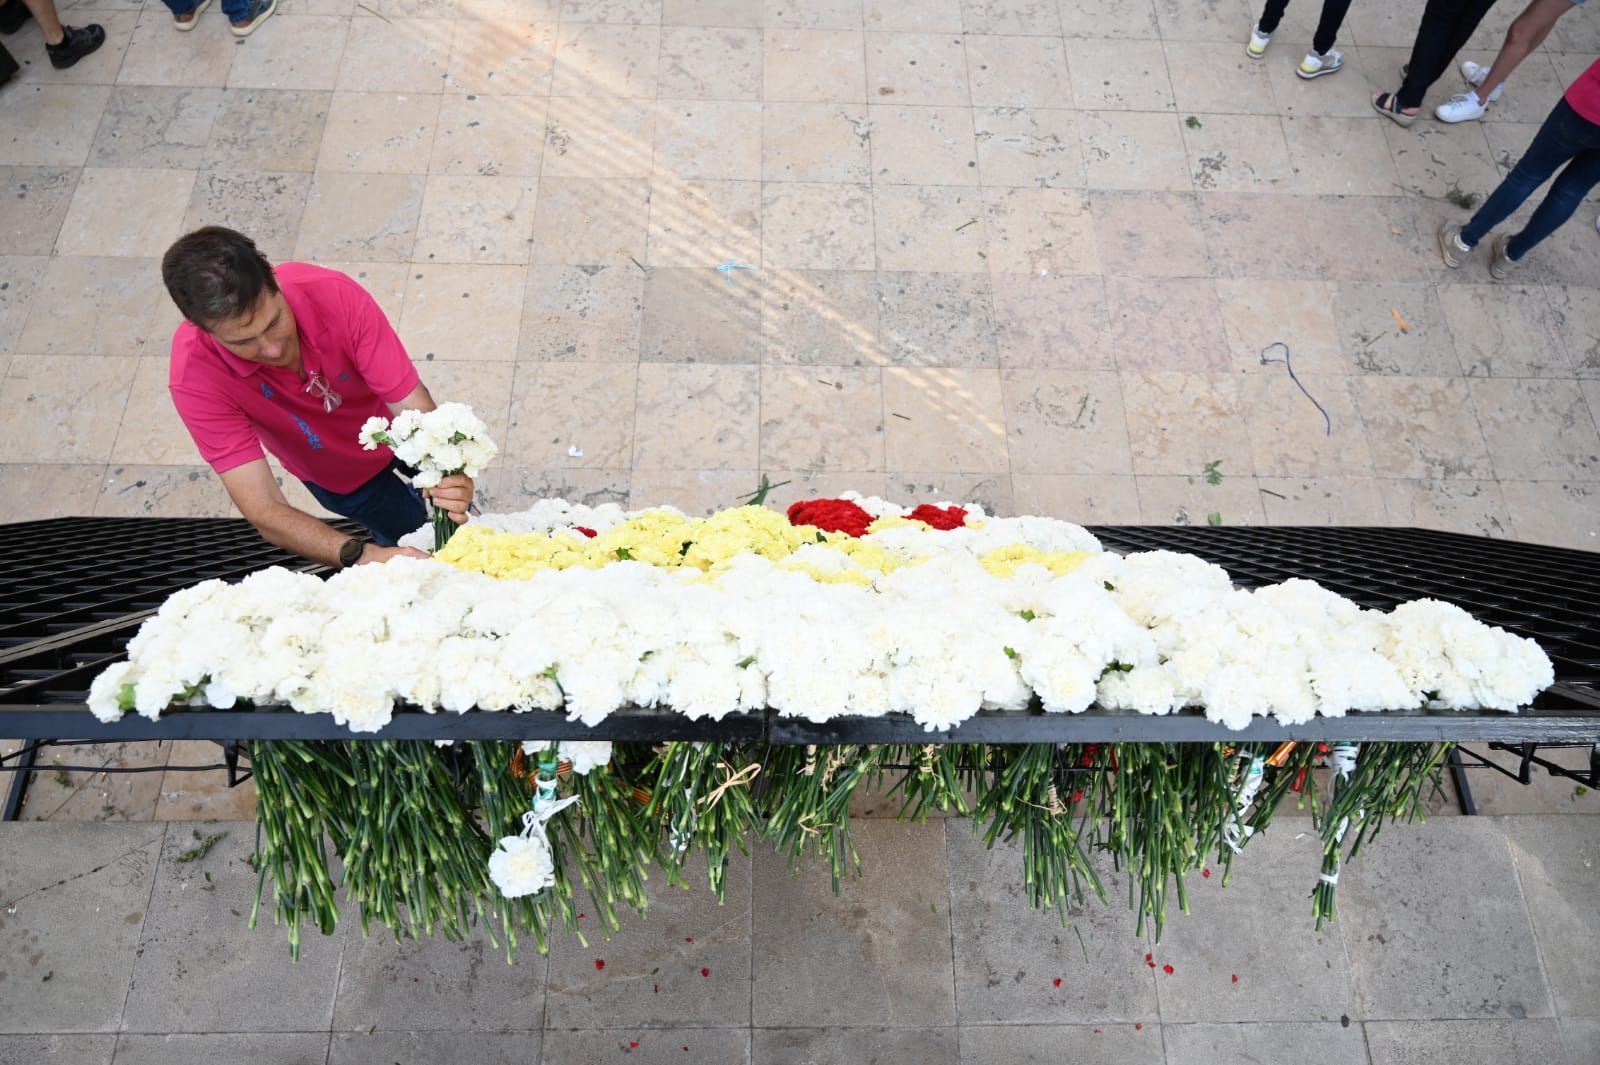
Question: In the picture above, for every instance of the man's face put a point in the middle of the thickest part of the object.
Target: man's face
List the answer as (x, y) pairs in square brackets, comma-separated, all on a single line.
[(265, 334)]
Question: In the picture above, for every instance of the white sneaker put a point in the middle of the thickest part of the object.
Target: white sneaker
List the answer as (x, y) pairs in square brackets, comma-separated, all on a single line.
[(1462, 107), (1315, 64), (1257, 47), (1475, 73)]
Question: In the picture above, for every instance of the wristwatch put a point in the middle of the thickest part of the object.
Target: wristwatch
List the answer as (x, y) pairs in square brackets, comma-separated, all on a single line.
[(350, 552)]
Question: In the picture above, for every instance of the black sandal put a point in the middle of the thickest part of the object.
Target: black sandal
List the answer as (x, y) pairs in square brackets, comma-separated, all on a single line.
[(1387, 104)]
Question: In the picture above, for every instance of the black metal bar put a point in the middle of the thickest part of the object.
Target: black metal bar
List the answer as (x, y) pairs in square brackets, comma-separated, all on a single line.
[(17, 793), (1458, 774)]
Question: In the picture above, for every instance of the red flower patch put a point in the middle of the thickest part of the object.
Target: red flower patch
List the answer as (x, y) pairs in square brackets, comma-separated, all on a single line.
[(590, 533), (831, 515), (944, 518)]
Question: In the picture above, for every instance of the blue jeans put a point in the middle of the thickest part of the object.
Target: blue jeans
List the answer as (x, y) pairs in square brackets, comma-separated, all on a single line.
[(1565, 138), (386, 505), (236, 10)]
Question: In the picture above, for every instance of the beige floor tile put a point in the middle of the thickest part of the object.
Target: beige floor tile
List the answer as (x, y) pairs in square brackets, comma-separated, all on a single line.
[(923, 145), (151, 433), (1166, 324), (93, 306), (917, 68), (366, 217), (462, 312), (1178, 423), (518, 488), (1237, 153), (710, 62), (395, 55), (135, 491), (1546, 512), (1191, 501), (1027, 72), (1323, 501), (814, 66), (1134, 150), (1081, 499), (706, 223), (1066, 422), (698, 493), (125, 212), (582, 314), (913, 16), (991, 491), (821, 318), (584, 222), (814, 14), (1219, 21), (1422, 428), (607, 60), (822, 418), (1125, 75), (1052, 323), (30, 218), (1040, 232), (63, 408), (1218, 76), (265, 207), (379, 133), (204, 57), (476, 219), (1291, 438), (202, 796), (99, 68), (386, 282), (1434, 159), (930, 228), (50, 125), (155, 127), (1340, 156), (1575, 313), (812, 226), (509, 58), (1149, 234), (944, 420), (268, 129), (1530, 94), (1038, 17), (637, 12), (1298, 313), (821, 484), (20, 279), (1340, 238), (816, 142), (1536, 430), (76, 796), (697, 418), (1476, 507), (1028, 148), (1504, 331), (1368, 71), (694, 315), (1110, 18), (572, 415), (489, 136), (929, 319), (1374, 341), (717, 139), (40, 491), (1507, 142), (310, 53), (587, 137), (486, 387)]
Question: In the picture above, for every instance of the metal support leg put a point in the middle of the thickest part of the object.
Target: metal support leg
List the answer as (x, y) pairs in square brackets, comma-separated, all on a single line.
[(1458, 774), (19, 781)]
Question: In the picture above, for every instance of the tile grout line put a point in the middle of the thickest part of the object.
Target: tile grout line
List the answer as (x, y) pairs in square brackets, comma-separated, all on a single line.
[(1538, 948), (155, 873)]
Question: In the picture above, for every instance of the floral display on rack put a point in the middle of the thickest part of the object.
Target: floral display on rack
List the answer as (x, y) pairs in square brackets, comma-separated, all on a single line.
[(439, 443)]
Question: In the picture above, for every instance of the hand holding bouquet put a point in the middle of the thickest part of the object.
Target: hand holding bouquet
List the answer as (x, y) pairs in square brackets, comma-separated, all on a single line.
[(448, 441)]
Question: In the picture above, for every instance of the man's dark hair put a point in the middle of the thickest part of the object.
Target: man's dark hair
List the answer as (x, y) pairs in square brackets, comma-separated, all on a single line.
[(214, 274)]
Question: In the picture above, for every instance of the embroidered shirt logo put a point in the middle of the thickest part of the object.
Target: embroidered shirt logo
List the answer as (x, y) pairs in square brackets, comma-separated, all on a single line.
[(266, 390), (311, 437)]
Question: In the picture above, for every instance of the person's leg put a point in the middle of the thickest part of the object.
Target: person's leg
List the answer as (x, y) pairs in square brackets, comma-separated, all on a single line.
[(1433, 37), (1554, 144), (1333, 12), (64, 44), (386, 505), (1271, 15), (1566, 193), (1527, 32)]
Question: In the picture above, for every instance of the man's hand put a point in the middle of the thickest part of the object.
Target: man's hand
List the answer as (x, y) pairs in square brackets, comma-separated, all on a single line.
[(373, 553), (453, 494)]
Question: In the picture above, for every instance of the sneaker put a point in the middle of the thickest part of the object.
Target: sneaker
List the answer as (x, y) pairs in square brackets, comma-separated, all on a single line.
[(1258, 43), (1462, 107), (13, 15), (263, 11), (1451, 245), (185, 23), (76, 42), (1475, 73), (1500, 266), (1316, 64)]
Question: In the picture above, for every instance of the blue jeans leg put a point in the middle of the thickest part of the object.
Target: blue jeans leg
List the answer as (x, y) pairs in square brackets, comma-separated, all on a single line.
[(1565, 134), (386, 505), (236, 10), (1566, 193)]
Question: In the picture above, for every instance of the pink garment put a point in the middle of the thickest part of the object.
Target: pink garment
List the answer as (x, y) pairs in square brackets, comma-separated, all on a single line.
[(1583, 95), (233, 408)]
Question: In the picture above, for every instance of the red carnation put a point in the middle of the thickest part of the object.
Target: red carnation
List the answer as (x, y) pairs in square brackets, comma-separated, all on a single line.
[(590, 533), (831, 515), (940, 517)]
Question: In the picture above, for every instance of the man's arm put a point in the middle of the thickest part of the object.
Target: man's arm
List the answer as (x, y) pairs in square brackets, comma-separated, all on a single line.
[(454, 493), (1527, 32), (257, 495)]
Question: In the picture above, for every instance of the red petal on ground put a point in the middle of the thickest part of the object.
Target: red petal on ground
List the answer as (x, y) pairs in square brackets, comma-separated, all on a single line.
[(1138, 1027), (657, 989), (599, 963), (1236, 978), (1168, 969), (939, 517), (705, 972), (1206, 873), (581, 916), (1057, 981), (633, 1042), (688, 939)]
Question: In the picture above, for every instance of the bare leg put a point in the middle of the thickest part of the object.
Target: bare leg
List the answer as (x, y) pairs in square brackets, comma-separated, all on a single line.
[(44, 13), (1526, 33)]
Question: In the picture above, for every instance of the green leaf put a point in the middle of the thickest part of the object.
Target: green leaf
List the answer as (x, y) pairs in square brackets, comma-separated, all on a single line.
[(684, 550), (623, 554), (1011, 653), (201, 849), (125, 697), (646, 655), (745, 663), (1214, 518), (1213, 471), (1109, 586), (821, 539), (1192, 122), (1028, 615)]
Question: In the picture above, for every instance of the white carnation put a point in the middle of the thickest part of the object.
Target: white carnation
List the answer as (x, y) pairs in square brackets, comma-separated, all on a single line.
[(522, 865)]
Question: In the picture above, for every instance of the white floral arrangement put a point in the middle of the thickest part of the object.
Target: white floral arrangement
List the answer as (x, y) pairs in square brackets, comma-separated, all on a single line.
[(938, 617), (447, 440)]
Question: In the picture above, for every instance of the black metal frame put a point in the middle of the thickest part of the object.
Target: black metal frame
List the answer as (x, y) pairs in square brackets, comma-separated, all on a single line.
[(64, 615)]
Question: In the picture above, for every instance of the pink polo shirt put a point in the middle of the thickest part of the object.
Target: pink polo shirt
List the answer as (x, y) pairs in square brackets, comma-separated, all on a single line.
[(234, 408), (1583, 95)]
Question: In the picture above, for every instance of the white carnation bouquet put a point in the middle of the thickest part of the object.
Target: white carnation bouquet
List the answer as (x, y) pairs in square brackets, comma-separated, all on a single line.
[(440, 443)]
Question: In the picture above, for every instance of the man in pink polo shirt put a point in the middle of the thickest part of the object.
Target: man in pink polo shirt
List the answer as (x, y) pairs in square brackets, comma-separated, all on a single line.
[(293, 360)]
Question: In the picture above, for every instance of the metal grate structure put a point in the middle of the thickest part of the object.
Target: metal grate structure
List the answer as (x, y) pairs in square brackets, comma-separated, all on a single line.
[(73, 591)]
